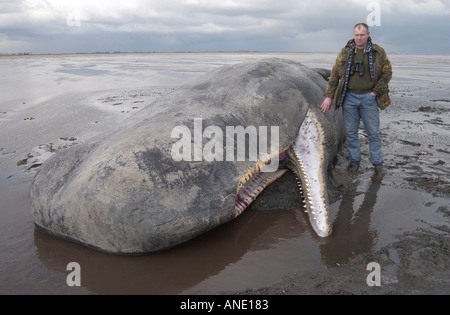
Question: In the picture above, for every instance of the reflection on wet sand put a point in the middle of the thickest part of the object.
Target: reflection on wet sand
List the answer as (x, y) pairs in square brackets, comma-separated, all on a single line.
[(352, 234), (175, 270)]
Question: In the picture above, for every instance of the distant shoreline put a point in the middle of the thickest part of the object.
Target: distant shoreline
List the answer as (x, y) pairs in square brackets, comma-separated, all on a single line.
[(156, 53), (30, 55)]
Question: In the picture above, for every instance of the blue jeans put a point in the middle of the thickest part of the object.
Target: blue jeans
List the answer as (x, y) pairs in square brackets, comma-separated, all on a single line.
[(364, 107)]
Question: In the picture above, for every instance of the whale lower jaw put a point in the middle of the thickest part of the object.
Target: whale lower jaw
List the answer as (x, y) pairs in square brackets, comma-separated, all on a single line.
[(306, 157), (309, 162)]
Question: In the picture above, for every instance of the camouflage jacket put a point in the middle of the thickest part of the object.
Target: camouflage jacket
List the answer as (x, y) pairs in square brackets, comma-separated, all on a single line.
[(381, 71)]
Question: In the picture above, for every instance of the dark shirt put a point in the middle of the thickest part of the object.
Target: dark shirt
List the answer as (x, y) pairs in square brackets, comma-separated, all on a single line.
[(361, 84)]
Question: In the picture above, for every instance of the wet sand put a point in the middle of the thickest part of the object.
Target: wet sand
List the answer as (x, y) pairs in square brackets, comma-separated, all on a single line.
[(399, 220)]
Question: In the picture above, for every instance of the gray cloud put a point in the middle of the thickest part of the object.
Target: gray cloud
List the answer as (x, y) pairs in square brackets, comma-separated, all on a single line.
[(56, 26)]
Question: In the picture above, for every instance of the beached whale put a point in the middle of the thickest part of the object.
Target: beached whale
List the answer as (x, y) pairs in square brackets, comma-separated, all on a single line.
[(193, 160)]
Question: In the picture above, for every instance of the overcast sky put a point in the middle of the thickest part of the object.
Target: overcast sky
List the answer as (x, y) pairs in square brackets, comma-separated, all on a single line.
[(59, 26)]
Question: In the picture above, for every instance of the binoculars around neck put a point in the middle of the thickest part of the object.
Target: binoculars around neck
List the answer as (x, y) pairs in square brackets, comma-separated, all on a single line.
[(358, 66)]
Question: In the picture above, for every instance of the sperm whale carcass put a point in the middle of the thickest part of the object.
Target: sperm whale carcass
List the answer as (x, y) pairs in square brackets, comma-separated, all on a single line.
[(192, 160)]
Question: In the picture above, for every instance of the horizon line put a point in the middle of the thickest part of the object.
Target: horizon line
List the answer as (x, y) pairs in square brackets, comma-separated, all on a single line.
[(24, 54)]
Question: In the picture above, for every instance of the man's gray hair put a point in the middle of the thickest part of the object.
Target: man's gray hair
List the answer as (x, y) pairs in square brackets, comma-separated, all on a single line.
[(363, 25)]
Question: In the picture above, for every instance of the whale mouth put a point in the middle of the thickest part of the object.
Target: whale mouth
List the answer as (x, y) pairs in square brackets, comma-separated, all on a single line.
[(306, 159), (254, 181)]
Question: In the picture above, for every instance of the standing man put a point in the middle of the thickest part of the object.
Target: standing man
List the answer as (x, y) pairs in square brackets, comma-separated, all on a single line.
[(359, 83)]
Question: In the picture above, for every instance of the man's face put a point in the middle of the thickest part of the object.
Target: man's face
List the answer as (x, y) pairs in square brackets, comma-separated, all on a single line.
[(361, 36)]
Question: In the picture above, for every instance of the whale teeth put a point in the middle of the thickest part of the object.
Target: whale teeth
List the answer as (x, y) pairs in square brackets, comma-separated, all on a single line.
[(254, 181)]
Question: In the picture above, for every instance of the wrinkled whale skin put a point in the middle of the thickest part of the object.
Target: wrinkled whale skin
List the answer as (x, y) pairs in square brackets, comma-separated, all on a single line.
[(122, 192)]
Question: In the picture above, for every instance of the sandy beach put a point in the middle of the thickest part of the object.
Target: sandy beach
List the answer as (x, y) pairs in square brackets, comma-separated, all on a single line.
[(400, 220)]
